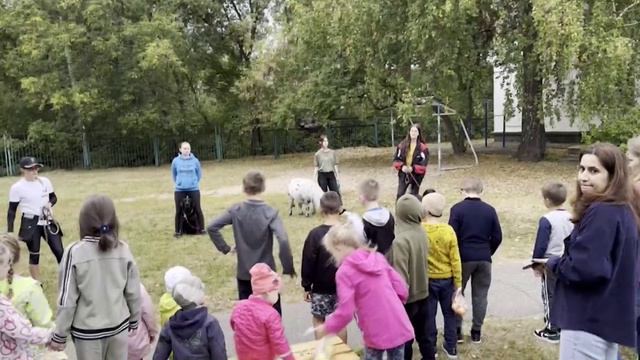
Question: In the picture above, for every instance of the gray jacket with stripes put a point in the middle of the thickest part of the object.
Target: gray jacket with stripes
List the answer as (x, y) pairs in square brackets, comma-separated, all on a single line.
[(99, 292)]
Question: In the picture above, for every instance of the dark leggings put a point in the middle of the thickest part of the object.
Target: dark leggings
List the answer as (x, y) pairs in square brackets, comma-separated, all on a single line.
[(195, 197), (328, 182), (245, 290), (405, 180), (33, 244)]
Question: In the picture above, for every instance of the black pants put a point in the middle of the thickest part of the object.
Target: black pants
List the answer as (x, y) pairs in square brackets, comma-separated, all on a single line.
[(179, 196), (418, 313), (405, 181), (328, 182), (244, 290), (31, 234)]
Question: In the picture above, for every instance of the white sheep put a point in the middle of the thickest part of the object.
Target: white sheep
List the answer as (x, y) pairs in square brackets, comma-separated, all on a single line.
[(306, 194)]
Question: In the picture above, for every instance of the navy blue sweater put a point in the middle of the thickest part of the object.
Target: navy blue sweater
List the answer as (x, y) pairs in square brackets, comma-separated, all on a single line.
[(478, 229), (596, 288)]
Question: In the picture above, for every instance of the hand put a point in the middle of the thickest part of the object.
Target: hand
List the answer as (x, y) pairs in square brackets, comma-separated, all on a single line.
[(406, 169), (54, 346), (538, 270), (307, 296), (321, 331)]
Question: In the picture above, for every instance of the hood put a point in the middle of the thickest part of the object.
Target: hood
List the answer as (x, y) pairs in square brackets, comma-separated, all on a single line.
[(368, 262), (377, 216), (185, 323), (188, 158), (408, 210)]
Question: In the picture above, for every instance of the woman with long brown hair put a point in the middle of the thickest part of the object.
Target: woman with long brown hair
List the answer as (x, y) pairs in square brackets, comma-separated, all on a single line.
[(596, 288), (410, 160), (326, 166)]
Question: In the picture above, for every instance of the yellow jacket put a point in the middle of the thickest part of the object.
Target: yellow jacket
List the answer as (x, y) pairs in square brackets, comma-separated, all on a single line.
[(444, 256), (167, 307)]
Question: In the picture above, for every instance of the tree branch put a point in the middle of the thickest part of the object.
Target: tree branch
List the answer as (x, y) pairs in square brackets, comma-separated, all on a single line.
[(235, 8), (625, 10)]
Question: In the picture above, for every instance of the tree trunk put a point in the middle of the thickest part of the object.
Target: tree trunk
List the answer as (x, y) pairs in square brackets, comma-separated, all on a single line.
[(456, 137), (533, 141)]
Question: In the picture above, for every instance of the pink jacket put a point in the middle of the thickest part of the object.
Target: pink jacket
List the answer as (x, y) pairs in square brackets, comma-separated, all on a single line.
[(258, 331), (16, 334), (140, 340), (369, 287)]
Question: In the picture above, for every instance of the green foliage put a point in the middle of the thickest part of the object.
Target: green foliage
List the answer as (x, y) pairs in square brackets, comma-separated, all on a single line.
[(617, 130)]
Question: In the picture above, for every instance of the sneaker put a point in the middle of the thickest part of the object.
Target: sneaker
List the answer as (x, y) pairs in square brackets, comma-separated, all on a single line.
[(202, 232), (451, 354), (548, 335), (476, 337), (177, 235), (460, 336)]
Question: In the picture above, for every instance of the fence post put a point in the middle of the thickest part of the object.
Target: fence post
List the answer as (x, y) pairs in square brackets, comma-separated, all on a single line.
[(375, 133), (156, 150), (276, 153), (486, 122), (218, 140), (85, 150)]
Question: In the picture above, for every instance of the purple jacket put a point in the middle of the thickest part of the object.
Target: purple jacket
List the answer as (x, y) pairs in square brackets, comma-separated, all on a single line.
[(369, 287)]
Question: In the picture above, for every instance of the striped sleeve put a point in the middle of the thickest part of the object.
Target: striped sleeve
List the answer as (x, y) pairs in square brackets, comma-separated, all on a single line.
[(67, 298), (132, 294)]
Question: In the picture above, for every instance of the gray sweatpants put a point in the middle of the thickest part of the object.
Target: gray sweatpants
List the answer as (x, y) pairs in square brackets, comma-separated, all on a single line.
[(112, 348), (480, 274), (580, 345)]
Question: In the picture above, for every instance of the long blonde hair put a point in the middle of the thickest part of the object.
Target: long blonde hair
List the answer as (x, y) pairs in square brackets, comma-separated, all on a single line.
[(7, 255), (345, 234)]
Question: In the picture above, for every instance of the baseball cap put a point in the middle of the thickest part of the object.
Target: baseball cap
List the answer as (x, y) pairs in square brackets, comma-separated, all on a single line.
[(29, 162), (434, 203)]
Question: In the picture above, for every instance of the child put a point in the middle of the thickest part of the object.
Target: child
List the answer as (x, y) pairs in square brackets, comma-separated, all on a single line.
[(479, 235), (318, 269), (257, 326), (370, 288), (553, 228), (191, 333), (378, 221), (408, 255), (141, 339), (16, 332), (445, 272), (99, 295), (254, 223), (167, 305)]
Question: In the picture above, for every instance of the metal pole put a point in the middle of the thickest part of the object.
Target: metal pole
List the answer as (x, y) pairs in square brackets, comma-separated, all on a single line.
[(504, 131), (393, 142), (439, 147), (486, 122)]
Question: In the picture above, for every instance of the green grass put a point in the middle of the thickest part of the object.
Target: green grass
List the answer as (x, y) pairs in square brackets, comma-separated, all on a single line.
[(144, 201)]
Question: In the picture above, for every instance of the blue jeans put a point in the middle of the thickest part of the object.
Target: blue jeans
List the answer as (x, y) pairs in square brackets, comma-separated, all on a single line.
[(396, 353), (441, 292), (581, 345)]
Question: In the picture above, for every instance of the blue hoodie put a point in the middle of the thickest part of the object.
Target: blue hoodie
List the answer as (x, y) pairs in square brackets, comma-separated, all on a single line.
[(191, 335), (186, 173)]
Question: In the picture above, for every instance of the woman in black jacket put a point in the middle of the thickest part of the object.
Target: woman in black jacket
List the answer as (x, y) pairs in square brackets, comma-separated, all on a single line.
[(411, 159)]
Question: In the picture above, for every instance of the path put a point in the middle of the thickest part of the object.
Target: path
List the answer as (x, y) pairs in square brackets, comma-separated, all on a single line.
[(514, 294)]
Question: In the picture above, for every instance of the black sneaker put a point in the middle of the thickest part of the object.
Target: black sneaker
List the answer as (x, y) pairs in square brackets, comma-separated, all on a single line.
[(476, 338), (451, 354), (460, 336), (548, 335)]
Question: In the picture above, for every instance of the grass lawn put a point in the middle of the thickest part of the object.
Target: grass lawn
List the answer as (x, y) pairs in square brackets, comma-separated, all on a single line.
[(144, 200)]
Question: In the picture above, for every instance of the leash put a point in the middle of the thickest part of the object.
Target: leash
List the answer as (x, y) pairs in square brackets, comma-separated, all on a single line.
[(51, 226)]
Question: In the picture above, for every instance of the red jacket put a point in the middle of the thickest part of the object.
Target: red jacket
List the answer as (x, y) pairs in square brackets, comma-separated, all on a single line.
[(420, 158), (258, 331)]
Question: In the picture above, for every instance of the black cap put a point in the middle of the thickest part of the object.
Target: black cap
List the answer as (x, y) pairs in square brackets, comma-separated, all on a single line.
[(29, 162)]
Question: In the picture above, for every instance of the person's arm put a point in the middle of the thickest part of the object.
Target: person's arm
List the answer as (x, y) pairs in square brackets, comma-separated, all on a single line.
[(67, 298), (346, 307), (420, 167), (309, 256), (399, 285), (11, 215), (496, 236), (335, 165), (132, 295), (278, 341), (217, 347), (19, 328), (214, 231), (398, 163), (587, 261), (198, 170), (543, 236), (277, 227), (454, 257), (163, 348), (147, 314), (174, 171), (38, 310), (455, 222), (53, 199)]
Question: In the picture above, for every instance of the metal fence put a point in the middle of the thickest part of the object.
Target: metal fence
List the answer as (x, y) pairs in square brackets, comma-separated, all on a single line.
[(101, 150)]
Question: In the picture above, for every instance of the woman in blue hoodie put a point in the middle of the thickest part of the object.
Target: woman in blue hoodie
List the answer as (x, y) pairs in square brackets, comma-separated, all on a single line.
[(595, 293), (186, 172)]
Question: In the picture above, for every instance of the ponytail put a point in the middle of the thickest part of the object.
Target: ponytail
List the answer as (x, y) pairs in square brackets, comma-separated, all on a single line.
[(108, 238), (98, 220)]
